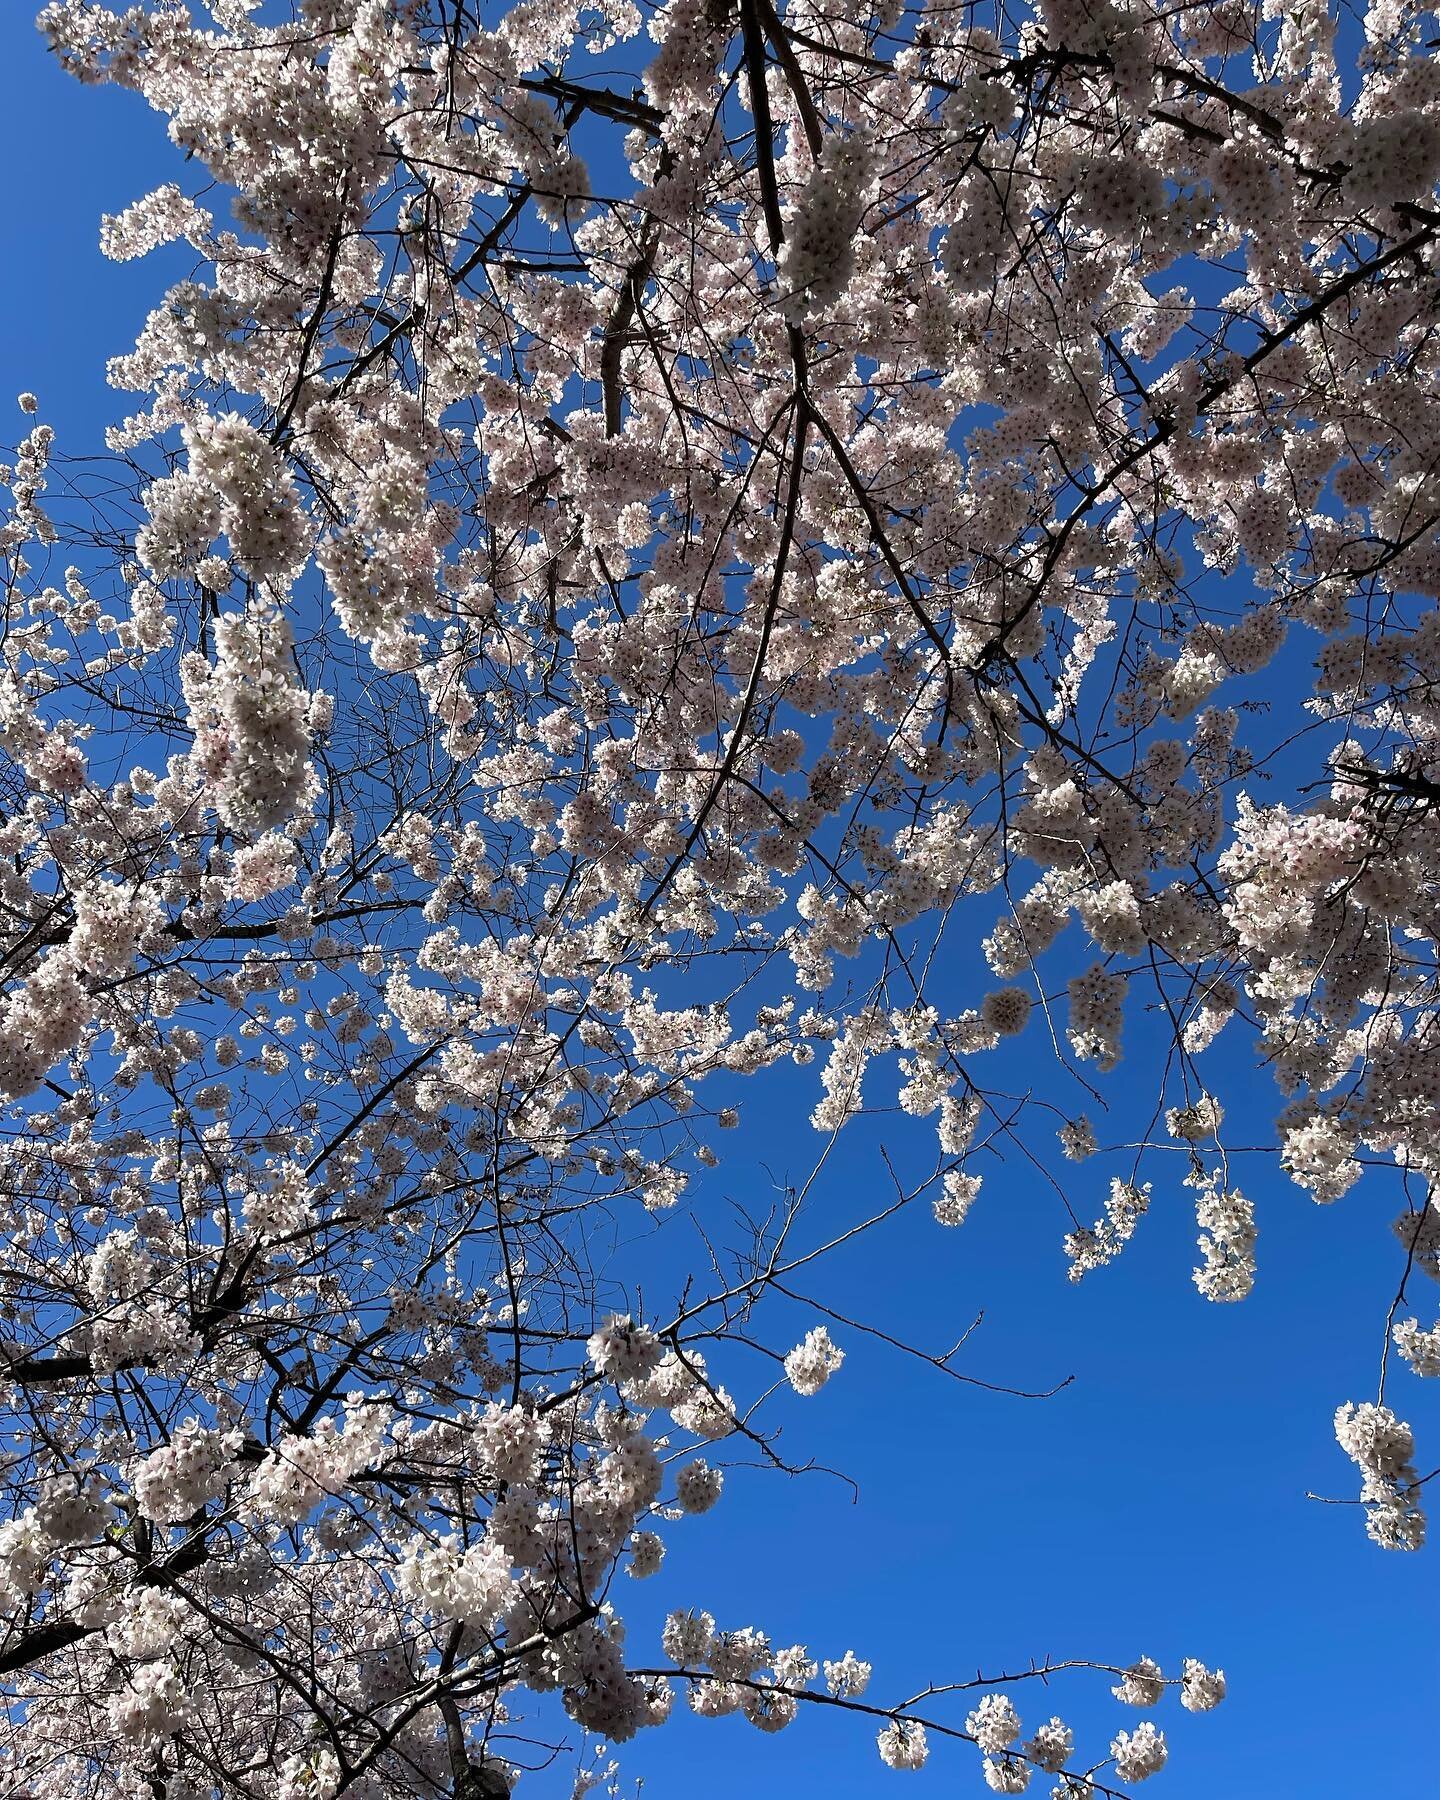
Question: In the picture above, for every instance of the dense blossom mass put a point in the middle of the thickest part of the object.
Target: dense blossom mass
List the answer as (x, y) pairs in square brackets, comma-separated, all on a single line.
[(642, 525)]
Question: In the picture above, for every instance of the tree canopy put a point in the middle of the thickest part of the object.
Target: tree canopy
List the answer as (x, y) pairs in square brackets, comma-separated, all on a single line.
[(654, 538)]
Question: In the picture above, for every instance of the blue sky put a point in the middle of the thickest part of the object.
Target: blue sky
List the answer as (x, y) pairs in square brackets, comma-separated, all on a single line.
[(1156, 1505)]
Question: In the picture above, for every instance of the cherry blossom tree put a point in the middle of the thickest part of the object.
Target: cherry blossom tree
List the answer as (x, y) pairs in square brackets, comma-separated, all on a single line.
[(647, 534)]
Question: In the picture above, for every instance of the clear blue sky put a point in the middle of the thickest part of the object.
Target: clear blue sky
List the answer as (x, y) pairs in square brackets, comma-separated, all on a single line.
[(1157, 1505)]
